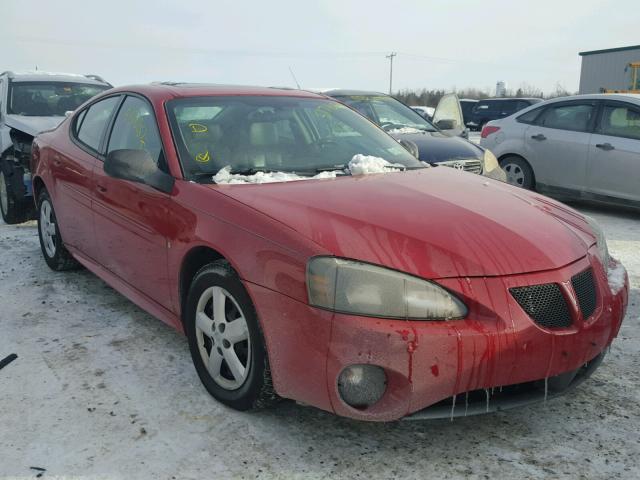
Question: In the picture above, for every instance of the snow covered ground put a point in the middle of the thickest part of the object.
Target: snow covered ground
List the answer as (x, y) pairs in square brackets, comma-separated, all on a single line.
[(102, 390)]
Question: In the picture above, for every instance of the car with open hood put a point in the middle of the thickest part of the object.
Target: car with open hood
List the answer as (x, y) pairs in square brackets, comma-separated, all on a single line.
[(442, 140), (306, 255), (30, 103)]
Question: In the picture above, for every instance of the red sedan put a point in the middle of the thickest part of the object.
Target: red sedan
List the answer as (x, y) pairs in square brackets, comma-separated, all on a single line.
[(307, 255)]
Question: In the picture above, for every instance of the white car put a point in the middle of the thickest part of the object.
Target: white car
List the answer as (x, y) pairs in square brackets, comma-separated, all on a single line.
[(581, 147)]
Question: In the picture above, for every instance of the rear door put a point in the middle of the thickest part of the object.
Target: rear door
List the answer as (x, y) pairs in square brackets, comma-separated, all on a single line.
[(557, 145), (448, 116), (72, 167), (614, 152), (131, 218)]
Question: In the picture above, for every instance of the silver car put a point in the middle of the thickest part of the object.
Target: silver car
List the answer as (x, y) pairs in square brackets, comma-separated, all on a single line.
[(581, 147)]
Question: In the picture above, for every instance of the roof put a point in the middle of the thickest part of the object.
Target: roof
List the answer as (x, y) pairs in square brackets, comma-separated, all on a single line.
[(179, 90), (609, 50), (337, 92), (39, 76), (634, 97)]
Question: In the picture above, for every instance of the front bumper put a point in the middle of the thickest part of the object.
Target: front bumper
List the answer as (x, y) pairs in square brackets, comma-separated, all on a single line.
[(426, 363)]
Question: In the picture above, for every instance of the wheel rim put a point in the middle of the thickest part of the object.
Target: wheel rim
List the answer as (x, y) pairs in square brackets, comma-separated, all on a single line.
[(515, 174), (4, 195), (223, 338), (48, 228)]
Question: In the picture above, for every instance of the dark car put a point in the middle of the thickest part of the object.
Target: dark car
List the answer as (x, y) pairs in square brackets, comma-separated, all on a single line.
[(437, 142), (496, 108), (467, 105)]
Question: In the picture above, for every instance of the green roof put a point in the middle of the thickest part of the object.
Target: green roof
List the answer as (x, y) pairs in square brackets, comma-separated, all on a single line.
[(609, 50)]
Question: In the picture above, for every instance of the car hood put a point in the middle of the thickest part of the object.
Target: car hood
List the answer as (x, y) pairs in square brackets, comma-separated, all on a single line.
[(32, 125), (433, 223), (437, 147)]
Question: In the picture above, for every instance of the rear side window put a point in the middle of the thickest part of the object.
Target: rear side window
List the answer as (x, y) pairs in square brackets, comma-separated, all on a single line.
[(135, 129), (620, 121), (530, 116), (575, 117), (92, 123)]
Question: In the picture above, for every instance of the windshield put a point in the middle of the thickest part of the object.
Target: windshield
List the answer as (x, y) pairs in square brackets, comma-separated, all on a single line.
[(49, 99), (286, 134), (387, 112)]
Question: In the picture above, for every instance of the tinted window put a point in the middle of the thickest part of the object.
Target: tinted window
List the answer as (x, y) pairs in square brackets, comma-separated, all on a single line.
[(620, 121), (135, 129), (530, 116), (574, 117), (49, 98), (94, 122)]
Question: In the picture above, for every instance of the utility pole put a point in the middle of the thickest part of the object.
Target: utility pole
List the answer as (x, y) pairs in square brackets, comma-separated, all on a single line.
[(390, 57)]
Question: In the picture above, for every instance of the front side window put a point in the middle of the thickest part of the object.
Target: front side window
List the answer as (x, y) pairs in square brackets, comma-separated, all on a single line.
[(301, 135), (47, 99), (91, 123), (135, 129), (387, 112), (620, 121), (576, 117)]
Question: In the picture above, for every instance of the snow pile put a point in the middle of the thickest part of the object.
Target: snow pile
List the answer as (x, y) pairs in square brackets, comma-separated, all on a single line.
[(224, 176), (616, 277), (366, 164), (359, 165), (404, 130)]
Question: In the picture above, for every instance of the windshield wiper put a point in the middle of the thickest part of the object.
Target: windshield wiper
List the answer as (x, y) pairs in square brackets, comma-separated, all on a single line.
[(199, 176), (331, 168), (252, 171)]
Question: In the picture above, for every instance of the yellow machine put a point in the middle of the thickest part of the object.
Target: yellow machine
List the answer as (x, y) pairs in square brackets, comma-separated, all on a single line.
[(635, 80)]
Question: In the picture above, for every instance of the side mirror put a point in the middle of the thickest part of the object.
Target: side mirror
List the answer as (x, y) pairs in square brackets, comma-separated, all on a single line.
[(137, 166), (446, 124)]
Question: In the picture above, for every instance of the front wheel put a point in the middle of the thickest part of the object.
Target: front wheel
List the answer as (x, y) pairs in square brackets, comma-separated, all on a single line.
[(14, 210), (55, 254), (519, 172), (225, 340)]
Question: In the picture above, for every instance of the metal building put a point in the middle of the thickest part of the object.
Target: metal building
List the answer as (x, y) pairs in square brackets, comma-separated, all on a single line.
[(610, 69)]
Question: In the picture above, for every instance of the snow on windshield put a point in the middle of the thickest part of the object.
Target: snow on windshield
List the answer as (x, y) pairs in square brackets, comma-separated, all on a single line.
[(405, 130), (358, 165)]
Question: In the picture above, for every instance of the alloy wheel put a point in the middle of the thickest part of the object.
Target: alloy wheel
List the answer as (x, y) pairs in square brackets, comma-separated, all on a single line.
[(48, 228), (223, 339), (515, 174)]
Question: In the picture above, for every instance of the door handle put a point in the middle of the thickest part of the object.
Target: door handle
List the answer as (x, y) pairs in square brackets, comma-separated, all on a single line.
[(605, 146), (539, 137), (101, 188), (56, 160)]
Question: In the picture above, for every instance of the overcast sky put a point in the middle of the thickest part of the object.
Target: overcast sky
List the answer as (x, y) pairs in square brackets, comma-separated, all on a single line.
[(329, 43)]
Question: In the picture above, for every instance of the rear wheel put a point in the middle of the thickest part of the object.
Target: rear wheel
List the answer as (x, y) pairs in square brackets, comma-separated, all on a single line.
[(55, 254), (519, 172), (14, 210), (225, 340)]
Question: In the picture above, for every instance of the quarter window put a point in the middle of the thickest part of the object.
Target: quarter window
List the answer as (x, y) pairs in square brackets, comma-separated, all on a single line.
[(620, 121), (92, 123), (574, 117), (135, 129)]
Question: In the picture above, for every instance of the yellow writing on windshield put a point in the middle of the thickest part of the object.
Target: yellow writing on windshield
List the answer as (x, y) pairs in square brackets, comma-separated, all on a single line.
[(198, 128), (203, 157)]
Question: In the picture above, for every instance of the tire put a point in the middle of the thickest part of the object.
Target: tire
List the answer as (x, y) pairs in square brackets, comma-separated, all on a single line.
[(55, 254), (14, 210), (216, 346), (519, 172)]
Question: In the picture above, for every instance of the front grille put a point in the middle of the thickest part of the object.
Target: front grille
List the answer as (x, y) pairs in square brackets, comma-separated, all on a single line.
[(585, 288), (472, 166), (545, 304)]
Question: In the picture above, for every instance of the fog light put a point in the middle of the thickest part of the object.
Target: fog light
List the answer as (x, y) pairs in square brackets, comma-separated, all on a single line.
[(361, 386)]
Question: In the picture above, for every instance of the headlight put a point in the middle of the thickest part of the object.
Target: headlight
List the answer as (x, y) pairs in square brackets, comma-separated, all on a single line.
[(601, 240), (348, 286), (490, 161)]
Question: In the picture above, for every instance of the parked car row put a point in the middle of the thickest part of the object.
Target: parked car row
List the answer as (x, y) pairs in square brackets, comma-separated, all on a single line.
[(307, 255), (585, 147)]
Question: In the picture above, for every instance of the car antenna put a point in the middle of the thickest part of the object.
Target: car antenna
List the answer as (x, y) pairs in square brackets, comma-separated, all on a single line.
[(294, 78)]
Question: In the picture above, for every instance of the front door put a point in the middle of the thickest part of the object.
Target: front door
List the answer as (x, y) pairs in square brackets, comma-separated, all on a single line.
[(130, 218), (558, 145), (614, 152)]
